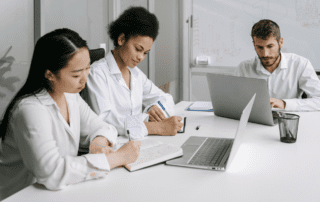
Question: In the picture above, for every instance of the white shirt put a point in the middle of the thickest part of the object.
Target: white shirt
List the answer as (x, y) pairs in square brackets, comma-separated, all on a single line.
[(41, 146), (288, 81), (109, 96)]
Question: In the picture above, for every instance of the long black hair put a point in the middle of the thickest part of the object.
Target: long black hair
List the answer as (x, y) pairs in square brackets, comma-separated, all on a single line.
[(52, 52), (134, 21)]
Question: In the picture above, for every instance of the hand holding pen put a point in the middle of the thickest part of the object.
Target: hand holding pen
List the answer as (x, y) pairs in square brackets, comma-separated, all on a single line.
[(164, 109), (155, 114)]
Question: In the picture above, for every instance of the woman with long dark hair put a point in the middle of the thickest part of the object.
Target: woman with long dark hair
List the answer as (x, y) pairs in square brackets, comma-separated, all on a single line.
[(47, 120)]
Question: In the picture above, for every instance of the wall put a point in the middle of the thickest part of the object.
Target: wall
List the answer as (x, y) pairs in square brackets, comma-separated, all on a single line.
[(88, 18), (167, 47), (16, 47)]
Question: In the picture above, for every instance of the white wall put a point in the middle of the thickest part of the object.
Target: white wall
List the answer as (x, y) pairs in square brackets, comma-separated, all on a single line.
[(167, 46), (88, 18), (16, 19)]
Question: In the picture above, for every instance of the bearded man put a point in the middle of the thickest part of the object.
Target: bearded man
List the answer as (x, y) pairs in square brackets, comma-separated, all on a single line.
[(288, 75)]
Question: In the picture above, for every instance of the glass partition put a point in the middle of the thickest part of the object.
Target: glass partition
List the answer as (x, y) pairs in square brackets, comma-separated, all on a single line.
[(16, 47)]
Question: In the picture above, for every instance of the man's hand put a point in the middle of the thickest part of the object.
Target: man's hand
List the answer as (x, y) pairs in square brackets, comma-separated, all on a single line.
[(277, 103), (155, 114)]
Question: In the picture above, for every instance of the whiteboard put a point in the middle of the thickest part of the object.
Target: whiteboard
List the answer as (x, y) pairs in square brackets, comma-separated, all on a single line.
[(222, 28)]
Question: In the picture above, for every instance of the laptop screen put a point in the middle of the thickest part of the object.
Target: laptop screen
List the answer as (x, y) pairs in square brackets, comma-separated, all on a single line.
[(242, 125)]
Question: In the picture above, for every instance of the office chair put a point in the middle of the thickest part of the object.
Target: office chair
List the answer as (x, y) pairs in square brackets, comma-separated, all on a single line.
[(95, 55), (304, 95)]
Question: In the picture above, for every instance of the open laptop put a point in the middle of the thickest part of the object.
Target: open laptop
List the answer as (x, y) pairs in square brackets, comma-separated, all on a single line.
[(213, 153), (230, 94)]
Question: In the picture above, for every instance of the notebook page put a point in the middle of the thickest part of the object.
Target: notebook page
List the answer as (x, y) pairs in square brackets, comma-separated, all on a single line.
[(145, 143), (154, 155)]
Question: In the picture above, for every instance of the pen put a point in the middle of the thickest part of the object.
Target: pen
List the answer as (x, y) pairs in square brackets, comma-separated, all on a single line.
[(129, 135), (164, 109), (198, 127)]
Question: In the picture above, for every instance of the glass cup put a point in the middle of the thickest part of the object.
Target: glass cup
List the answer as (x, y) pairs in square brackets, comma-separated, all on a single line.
[(288, 126)]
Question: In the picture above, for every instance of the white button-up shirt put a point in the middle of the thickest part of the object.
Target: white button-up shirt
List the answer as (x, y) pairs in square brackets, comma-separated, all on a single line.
[(109, 96), (42, 147), (288, 81)]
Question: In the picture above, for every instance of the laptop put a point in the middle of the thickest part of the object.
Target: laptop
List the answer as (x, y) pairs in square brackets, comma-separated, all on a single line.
[(230, 94), (213, 153)]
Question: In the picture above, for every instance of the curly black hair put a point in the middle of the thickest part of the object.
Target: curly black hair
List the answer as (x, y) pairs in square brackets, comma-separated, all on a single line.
[(134, 21)]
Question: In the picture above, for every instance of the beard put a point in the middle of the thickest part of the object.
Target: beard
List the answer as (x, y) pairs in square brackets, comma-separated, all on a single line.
[(275, 59)]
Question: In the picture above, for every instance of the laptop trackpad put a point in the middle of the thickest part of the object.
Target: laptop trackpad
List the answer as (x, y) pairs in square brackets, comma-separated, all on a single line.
[(189, 150)]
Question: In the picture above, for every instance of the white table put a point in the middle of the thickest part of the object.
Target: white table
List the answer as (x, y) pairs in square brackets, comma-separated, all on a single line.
[(264, 169)]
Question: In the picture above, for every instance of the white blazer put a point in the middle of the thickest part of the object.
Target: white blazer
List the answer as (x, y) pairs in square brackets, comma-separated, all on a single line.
[(109, 96), (42, 147)]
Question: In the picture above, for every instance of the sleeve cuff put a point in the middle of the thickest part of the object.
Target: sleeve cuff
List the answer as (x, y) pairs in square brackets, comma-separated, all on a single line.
[(147, 108), (136, 126), (109, 135), (98, 161), (290, 104), (171, 112), (145, 117)]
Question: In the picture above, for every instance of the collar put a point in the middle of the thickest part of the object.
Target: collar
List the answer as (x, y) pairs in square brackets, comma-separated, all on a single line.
[(113, 66), (45, 98), (282, 65)]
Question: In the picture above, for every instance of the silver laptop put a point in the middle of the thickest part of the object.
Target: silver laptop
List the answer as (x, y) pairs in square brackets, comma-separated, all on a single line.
[(213, 153), (230, 94)]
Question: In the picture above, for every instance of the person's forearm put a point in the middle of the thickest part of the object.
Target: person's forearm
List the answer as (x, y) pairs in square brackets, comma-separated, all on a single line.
[(153, 127)]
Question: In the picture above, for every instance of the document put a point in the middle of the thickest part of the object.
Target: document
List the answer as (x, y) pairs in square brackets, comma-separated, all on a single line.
[(200, 106), (153, 152)]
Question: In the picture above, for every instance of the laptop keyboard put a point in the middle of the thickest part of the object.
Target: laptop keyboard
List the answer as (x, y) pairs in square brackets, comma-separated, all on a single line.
[(211, 152)]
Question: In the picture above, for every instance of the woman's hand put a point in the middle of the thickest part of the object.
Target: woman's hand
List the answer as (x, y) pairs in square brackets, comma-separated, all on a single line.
[(100, 145), (129, 152), (170, 126), (155, 114), (126, 154)]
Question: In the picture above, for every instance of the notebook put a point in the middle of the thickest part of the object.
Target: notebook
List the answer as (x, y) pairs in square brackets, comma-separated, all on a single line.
[(153, 152), (200, 106), (230, 94), (213, 153)]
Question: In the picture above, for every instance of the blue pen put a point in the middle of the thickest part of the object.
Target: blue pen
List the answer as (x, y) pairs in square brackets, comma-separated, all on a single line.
[(164, 109)]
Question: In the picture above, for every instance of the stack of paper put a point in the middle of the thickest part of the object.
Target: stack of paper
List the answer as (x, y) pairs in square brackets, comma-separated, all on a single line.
[(200, 106)]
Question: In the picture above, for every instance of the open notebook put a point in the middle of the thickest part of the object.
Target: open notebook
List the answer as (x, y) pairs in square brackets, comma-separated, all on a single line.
[(153, 152)]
